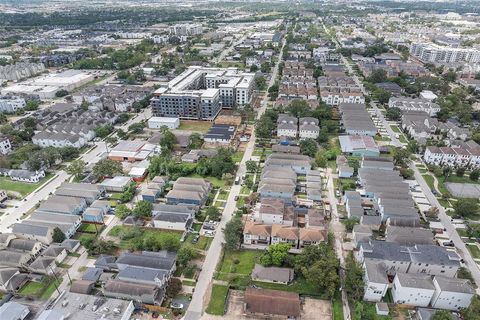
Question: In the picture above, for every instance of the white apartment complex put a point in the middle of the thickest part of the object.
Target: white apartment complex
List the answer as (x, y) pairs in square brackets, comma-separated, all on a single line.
[(430, 52), (10, 104), (186, 29), (200, 93)]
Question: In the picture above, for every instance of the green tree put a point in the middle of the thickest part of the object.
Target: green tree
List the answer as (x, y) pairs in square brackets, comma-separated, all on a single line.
[(474, 175), (122, 211), (61, 93), (136, 127), (466, 207), (251, 166), (442, 315), (58, 235), (261, 83), (213, 213), (103, 131), (350, 223), (298, 108), (253, 68), (233, 234), (185, 255), (460, 172), (143, 209), (319, 265), (401, 156), (107, 168), (393, 114), (320, 159), (354, 284), (473, 311), (167, 139), (195, 141), (275, 255), (76, 168), (378, 75), (308, 147)]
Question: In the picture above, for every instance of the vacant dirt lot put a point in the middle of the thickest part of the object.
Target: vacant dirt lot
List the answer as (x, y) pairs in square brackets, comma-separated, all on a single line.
[(314, 309)]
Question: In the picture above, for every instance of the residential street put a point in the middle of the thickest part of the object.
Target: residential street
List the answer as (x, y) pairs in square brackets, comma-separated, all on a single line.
[(196, 306)]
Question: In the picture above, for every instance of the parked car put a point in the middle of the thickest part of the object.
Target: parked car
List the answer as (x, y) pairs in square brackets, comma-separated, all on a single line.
[(176, 305), (195, 239)]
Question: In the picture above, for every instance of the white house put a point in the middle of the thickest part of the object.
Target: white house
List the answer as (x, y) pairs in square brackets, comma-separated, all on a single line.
[(412, 289), (26, 175), (309, 131), (452, 293), (376, 281), (158, 122), (5, 145), (287, 130)]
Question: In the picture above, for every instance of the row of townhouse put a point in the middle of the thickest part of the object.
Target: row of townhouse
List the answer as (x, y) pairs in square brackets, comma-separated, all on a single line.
[(455, 156), (413, 104), (356, 120), (71, 204), (339, 89), (297, 91), (141, 277), (292, 127)]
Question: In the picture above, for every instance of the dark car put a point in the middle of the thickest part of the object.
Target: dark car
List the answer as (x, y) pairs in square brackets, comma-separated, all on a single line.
[(195, 239)]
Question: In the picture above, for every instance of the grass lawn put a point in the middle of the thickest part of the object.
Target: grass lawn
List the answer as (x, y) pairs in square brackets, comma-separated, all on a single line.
[(402, 139), (246, 261), (51, 288), (159, 235), (456, 179), (299, 285), (202, 244), (42, 290), (189, 283), (217, 183), (116, 196), (216, 306), (192, 125), (445, 203), (429, 180), (244, 190), (237, 156), (474, 251), (396, 129), (23, 188), (223, 195), (90, 228), (257, 152), (30, 289), (462, 233), (240, 202), (337, 307), (197, 226)]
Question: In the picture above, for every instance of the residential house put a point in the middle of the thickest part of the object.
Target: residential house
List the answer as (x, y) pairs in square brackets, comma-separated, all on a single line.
[(142, 293), (267, 302), (29, 231), (43, 265), (413, 289), (13, 311), (452, 293), (64, 205), (309, 128), (376, 280), (5, 145)]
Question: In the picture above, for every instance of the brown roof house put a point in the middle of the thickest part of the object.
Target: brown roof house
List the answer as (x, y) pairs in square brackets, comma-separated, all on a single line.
[(272, 274), (272, 302), (256, 234)]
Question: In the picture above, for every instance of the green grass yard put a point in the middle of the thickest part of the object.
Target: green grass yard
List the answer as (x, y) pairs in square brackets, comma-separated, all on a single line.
[(474, 251), (237, 156), (337, 307), (90, 228), (42, 290), (197, 126), (23, 188), (217, 183), (127, 244), (237, 263), (216, 306), (396, 129)]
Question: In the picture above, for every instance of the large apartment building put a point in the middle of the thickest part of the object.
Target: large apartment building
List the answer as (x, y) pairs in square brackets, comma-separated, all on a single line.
[(10, 104), (200, 93), (430, 52)]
